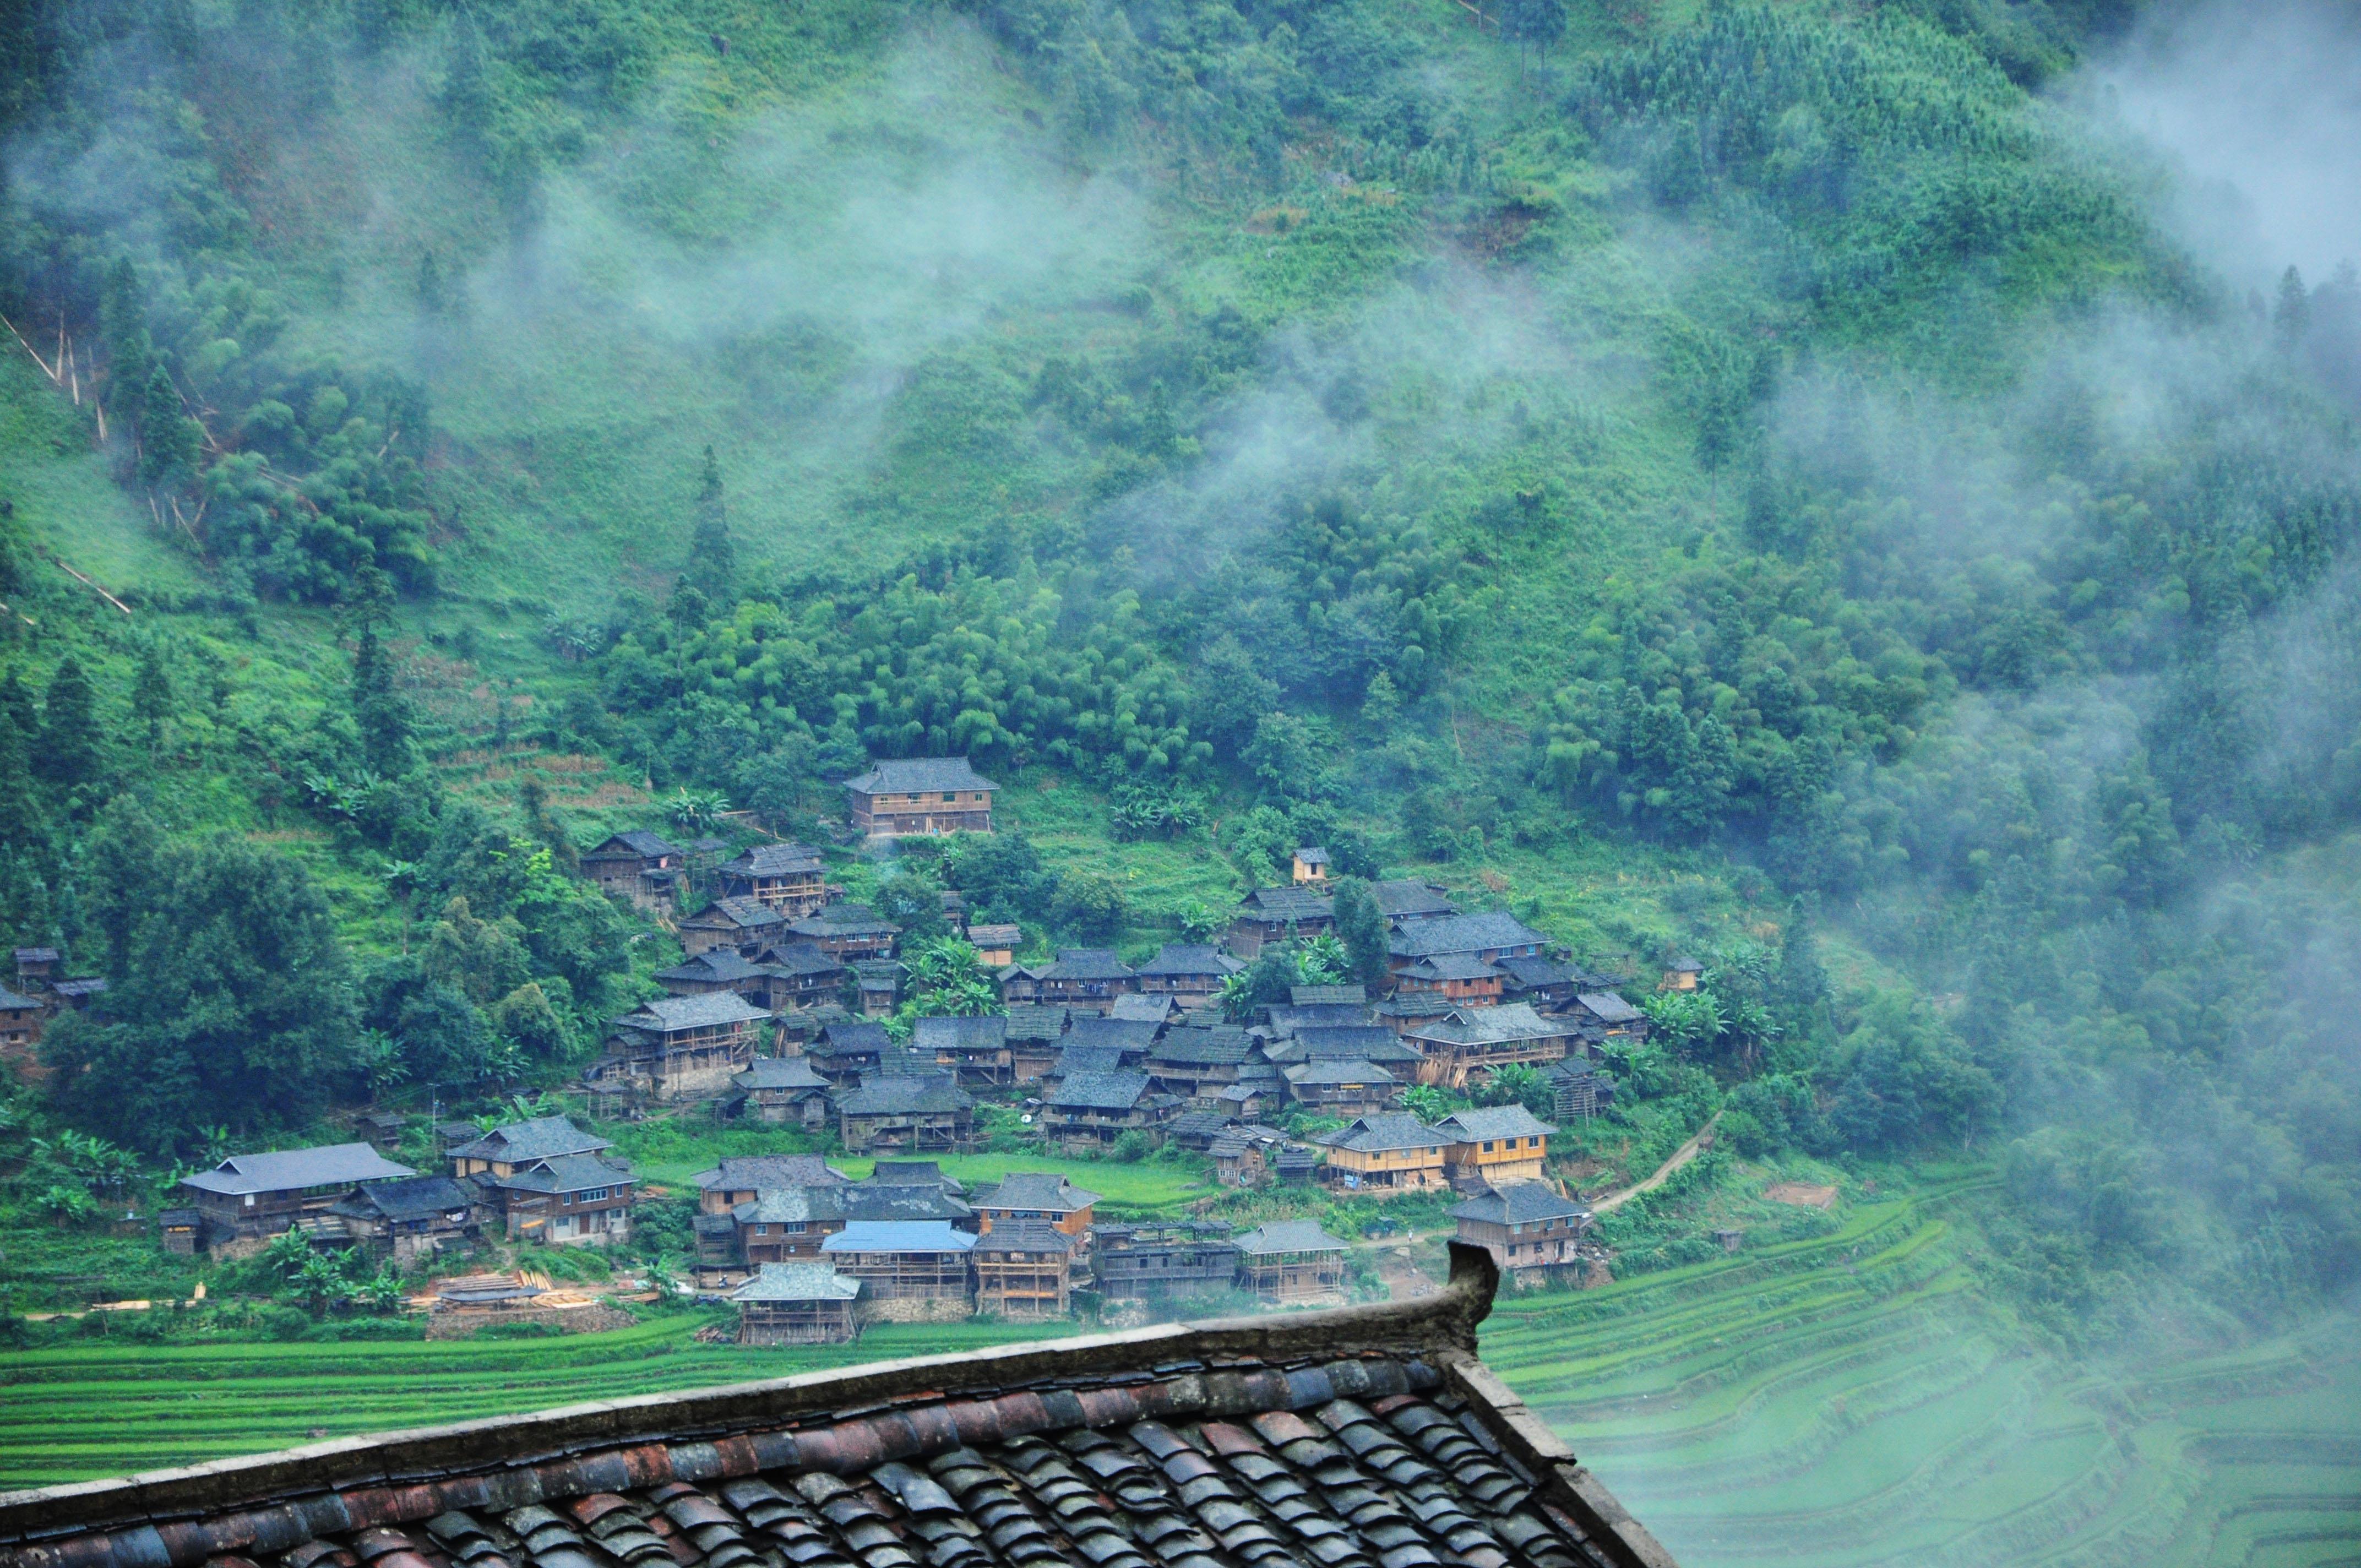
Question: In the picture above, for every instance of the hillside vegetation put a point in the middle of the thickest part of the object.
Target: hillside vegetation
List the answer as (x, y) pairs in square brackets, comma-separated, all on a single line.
[(1745, 481)]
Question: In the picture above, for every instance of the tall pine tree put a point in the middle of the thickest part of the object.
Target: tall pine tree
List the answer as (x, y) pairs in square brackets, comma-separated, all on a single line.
[(377, 709), (713, 559), (73, 752), (1361, 926)]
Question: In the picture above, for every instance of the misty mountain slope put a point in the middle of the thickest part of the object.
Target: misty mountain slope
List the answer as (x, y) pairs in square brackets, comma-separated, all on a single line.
[(1747, 482)]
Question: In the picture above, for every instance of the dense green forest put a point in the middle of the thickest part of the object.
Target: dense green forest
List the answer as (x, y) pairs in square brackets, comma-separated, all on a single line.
[(1772, 452)]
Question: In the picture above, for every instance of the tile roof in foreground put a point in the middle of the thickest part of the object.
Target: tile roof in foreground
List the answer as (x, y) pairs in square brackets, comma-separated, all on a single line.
[(1362, 1437)]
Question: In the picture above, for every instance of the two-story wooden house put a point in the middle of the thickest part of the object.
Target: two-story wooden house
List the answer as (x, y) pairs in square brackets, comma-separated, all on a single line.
[(738, 1179), (1163, 1261), (1462, 980), (802, 976), (1082, 980), (1023, 1269), (789, 878), (1494, 1145), (976, 1048), (1332, 1087), (910, 1270), (681, 1047), (1276, 913), (1291, 1263), (247, 1198), (1383, 1154), (995, 944), (915, 1113), (718, 969), (565, 1201), (798, 1304), (1484, 938), (1533, 1231), (1087, 1111), (412, 1217), (1190, 973), (639, 866), (1033, 1034), (780, 1090), (915, 795), (1026, 1197), (742, 926), (1470, 1043), (847, 932), (21, 1018)]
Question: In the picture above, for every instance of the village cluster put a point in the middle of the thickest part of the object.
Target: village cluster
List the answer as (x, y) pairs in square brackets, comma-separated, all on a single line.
[(1090, 1050)]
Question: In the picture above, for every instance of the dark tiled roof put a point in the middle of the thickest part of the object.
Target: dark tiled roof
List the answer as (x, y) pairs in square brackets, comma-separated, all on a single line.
[(1142, 1009), (37, 954), (1202, 1048), (1368, 1134), (565, 1173), (797, 1282), (908, 1201), (1493, 1122), (1099, 1091), (844, 920), (739, 1172), (1451, 966), (988, 1033), (1132, 1034), (982, 935), (746, 914), (720, 966), (855, 1036), (640, 841), (1043, 1190), (1270, 903), (1508, 1023), (913, 1173), (788, 960), (1030, 1236), (1607, 1007), (1345, 1073), (1463, 934), (1535, 971), (779, 1072), (287, 1170), (1369, 1042), (537, 1139), (1317, 1015), (667, 1013), (1191, 959), (930, 1094), (1036, 1022), (1252, 1441), (915, 775), (1410, 900), (1328, 995), (11, 1001), (1072, 1059), (1288, 1235), (789, 1206), (1518, 1203), (775, 860), (1087, 964), (87, 986), (411, 1199)]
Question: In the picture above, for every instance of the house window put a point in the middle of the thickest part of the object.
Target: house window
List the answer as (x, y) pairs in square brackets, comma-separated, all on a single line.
[(596, 1195)]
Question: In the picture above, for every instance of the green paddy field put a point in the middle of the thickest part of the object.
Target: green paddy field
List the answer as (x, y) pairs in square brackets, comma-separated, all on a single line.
[(1820, 1404)]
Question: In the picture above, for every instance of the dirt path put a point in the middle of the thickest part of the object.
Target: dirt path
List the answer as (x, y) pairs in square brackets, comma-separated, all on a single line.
[(1681, 1157)]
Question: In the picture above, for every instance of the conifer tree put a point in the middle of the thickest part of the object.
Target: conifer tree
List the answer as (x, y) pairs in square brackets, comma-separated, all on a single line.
[(151, 695), (70, 753), (2291, 317), (713, 559), (379, 711), (1361, 927), (169, 440)]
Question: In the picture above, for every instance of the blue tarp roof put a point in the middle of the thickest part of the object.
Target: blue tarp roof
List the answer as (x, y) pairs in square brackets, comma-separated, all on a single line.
[(898, 1235)]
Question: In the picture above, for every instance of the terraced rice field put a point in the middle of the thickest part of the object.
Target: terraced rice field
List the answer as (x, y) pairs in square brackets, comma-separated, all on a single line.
[(1824, 1404), (1844, 1402), (68, 1415)]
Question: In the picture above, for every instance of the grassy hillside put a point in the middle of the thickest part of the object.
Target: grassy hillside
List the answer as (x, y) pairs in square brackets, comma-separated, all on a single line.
[(1749, 482)]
